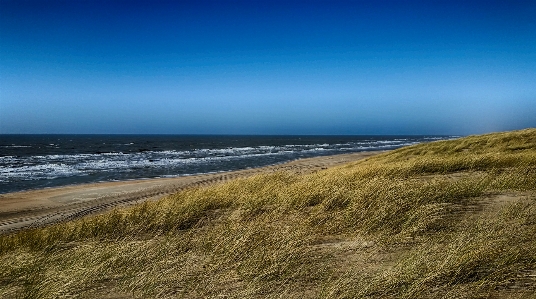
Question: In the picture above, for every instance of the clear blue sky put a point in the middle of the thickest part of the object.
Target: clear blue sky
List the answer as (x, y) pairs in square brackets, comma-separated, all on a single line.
[(267, 67)]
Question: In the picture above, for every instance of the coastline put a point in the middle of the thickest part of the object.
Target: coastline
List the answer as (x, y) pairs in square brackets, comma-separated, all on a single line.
[(35, 208)]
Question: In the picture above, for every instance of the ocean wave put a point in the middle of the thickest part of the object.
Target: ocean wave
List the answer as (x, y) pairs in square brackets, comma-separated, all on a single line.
[(177, 162), (37, 172), (15, 146)]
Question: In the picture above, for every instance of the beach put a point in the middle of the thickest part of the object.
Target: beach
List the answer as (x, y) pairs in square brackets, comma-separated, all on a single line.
[(30, 162), (35, 208)]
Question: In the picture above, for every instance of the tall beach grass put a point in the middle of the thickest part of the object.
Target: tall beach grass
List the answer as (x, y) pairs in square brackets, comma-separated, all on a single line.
[(447, 219)]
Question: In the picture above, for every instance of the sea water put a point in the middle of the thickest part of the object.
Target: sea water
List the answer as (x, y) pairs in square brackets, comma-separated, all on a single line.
[(40, 161)]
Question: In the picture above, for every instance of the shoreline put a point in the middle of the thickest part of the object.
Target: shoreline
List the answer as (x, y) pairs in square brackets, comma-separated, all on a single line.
[(40, 207)]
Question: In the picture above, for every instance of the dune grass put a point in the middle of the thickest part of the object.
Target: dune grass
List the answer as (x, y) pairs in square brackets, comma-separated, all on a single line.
[(447, 219)]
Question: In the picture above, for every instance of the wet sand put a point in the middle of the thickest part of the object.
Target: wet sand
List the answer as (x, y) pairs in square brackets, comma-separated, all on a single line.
[(20, 210)]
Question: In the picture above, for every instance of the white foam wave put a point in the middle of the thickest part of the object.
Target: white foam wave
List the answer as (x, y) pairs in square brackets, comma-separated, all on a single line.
[(36, 172)]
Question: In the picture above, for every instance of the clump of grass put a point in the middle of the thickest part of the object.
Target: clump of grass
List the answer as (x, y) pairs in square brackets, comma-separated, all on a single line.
[(481, 256), (444, 219)]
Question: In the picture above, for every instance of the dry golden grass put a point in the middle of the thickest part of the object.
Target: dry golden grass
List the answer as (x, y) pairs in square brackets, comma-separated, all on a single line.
[(449, 219)]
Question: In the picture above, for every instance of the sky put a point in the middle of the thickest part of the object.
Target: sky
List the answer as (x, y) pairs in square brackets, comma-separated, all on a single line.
[(267, 67)]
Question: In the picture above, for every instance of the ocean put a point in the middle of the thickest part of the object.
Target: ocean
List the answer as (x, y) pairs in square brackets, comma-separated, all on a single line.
[(41, 161)]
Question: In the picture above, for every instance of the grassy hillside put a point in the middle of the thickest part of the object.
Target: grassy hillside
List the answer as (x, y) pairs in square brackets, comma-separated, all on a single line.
[(449, 219)]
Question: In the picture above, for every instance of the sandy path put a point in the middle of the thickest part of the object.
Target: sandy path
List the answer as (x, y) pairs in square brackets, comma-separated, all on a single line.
[(34, 208)]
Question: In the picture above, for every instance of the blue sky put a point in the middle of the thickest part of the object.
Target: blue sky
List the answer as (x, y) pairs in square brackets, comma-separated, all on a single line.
[(267, 67)]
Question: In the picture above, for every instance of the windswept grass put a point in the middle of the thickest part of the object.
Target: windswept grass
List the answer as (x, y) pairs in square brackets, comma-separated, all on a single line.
[(448, 219)]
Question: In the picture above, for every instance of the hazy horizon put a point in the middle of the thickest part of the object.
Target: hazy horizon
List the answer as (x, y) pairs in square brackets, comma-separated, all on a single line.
[(267, 67), (223, 134)]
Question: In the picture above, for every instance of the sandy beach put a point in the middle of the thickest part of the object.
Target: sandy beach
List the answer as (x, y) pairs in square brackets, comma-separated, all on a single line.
[(36, 208)]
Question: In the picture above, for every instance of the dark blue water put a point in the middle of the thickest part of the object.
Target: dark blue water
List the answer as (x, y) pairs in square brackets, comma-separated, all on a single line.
[(38, 161)]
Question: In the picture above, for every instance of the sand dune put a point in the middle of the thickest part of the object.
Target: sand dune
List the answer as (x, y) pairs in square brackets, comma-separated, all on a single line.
[(35, 208)]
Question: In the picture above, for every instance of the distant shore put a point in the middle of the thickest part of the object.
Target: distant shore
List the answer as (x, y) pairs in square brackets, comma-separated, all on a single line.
[(36, 208)]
